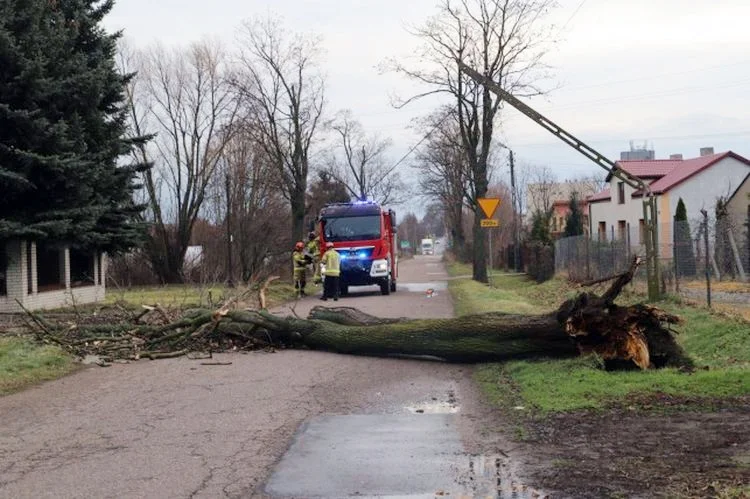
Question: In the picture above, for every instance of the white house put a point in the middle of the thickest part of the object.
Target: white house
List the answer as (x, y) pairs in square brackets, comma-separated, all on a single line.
[(617, 212), (43, 276)]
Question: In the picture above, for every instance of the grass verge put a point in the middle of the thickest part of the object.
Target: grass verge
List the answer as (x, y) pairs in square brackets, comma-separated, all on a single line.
[(719, 345), (24, 363), (192, 296)]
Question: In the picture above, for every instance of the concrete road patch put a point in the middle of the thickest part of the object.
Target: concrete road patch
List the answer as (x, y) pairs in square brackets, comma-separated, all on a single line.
[(389, 456), (369, 455)]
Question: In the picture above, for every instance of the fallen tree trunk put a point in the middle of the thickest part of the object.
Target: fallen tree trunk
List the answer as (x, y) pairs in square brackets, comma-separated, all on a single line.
[(635, 335)]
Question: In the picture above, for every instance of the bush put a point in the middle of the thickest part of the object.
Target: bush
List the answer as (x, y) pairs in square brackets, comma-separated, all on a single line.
[(541, 262)]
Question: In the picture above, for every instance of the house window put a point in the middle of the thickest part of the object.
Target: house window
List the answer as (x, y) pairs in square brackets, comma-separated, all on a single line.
[(622, 229), (621, 192), (602, 231), (3, 270), (49, 268), (81, 269)]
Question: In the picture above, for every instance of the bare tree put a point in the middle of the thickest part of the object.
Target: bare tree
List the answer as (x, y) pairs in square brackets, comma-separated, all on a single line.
[(247, 177), (324, 189), (183, 97), (444, 174), (130, 60), (505, 41), (282, 91), (594, 182), (360, 162), (540, 190)]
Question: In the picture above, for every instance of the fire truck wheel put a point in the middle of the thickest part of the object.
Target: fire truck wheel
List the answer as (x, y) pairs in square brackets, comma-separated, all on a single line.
[(385, 286)]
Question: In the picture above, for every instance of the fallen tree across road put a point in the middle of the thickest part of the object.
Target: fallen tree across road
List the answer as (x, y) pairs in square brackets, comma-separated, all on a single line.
[(636, 335)]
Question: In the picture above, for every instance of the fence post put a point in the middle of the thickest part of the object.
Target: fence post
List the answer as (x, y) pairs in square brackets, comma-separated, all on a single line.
[(675, 270), (587, 242), (708, 269), (627, 241)]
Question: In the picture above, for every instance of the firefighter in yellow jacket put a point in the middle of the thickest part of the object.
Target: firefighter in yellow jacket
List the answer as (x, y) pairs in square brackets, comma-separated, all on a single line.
[(312, 248), (332, 272), (299, 267)]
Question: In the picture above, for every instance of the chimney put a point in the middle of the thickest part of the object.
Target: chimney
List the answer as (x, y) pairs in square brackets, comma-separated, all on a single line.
[(675, 156), (707, 151)]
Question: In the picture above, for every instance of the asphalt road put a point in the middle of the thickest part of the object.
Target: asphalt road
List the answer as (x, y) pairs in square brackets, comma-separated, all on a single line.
[(176, 428)]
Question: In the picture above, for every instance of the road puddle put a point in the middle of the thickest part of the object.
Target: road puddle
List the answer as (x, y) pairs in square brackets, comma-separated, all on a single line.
[(421, 287), (433, 408), (493, 477), (445, 404)]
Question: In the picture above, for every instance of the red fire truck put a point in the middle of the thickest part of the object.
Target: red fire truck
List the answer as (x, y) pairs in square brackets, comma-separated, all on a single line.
[(364, 235)]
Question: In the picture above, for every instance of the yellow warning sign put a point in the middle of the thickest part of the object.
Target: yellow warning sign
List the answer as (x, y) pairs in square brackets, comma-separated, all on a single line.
[(488, 205), (489, 222)]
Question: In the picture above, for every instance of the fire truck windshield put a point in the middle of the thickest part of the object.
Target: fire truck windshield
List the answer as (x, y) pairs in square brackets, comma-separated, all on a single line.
[(352, 228)]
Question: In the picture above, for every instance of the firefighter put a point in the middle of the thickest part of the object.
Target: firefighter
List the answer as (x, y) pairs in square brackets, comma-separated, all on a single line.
[(299, 266), (313, 249), (332, 271)]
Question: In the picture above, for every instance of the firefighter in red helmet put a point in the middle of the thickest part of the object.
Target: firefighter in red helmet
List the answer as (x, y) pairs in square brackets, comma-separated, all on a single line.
[(300, 261)]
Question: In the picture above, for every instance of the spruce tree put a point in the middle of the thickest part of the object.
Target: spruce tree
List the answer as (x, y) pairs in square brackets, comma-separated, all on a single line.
[(540, 230), (574, 219), (683, 244), (62, 127)]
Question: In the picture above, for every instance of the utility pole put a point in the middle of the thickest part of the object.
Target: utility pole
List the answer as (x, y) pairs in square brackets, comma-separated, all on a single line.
[(514, 198), (230, 266), (489, 241)]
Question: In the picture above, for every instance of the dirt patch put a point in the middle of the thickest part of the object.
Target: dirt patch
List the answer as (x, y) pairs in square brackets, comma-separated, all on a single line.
[(624, 452)]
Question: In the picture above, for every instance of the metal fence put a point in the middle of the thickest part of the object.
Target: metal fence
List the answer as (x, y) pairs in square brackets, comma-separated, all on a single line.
[(686, 252)]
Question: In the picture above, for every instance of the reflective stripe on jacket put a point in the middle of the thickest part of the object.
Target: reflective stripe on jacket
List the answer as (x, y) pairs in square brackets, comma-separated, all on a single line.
[(332, 263), (298, 262), (313, 247)]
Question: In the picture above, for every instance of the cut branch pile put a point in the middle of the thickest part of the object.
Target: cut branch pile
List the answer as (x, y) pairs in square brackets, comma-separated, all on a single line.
[(637, 335)]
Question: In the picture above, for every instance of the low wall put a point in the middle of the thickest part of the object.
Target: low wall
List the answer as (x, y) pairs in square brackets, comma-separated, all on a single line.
[(46, 300)]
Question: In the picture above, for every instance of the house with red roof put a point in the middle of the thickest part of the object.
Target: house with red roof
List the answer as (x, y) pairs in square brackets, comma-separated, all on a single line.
[(617, 212)]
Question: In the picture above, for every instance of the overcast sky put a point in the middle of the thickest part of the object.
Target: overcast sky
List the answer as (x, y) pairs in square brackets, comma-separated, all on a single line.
[(675, 73)]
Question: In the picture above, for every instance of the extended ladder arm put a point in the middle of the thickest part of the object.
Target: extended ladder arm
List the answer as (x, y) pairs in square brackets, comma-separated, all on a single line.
[(552, 127), (650, 210)]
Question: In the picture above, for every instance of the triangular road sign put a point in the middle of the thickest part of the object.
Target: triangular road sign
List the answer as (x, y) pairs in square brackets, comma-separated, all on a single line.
[(488, 205)]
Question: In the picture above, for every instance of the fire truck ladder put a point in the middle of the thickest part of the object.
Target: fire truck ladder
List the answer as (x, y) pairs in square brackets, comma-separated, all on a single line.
[(649, 201)]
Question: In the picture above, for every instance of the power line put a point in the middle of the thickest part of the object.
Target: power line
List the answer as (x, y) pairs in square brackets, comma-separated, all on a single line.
[(575, 13), (665, 137), (414, 148), (637, 97), (654, 76), (594, 103), (631, 98)]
